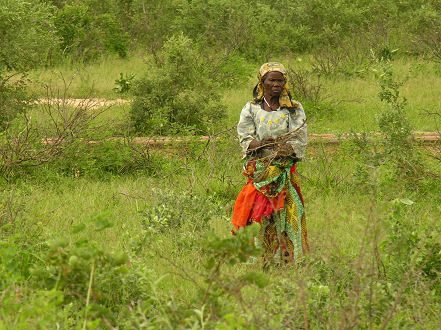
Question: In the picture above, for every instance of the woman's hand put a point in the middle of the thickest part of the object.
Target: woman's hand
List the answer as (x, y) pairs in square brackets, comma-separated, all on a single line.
[(284, 150), (268, 142)]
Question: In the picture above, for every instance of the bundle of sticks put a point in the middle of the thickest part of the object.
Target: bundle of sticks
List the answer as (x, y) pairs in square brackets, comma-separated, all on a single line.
[(280, 145)]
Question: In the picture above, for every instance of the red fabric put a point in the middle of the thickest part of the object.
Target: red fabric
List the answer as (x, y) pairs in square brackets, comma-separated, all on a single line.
[(253, 205), (244, 205), (264, 206)]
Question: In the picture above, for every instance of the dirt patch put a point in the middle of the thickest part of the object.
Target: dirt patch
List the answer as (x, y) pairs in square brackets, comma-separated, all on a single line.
[(94, 103)]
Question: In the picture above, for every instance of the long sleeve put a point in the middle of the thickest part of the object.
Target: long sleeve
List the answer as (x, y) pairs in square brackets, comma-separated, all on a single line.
[(246, 128), (299, 140)]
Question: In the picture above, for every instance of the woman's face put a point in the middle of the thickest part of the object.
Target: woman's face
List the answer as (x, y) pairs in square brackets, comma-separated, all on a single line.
[(273, 83)]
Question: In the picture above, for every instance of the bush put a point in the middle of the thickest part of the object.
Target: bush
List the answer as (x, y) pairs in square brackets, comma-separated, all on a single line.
[(15, 97), (124, 83), (83, 269), (98, 160), (87, 35), (27, 39), (179, 93), (396, 157), (427, 30), (27, 31)]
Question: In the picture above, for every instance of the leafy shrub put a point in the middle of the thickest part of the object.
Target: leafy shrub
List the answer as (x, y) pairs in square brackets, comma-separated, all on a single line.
[(396, 156), (427, 30), (15, 97), (20, 241), (28, 34), (178, 94), (124, 83), (399, 143), (411, 244), (150, 23), (217, 286), (88, 34), (179, 211), (99, 159), (27, 40), (225, 25), (23, 308), (82, 269)]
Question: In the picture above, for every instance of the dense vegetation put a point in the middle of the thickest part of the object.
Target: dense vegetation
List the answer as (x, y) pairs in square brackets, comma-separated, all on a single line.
[(88, 29), (98, 230)]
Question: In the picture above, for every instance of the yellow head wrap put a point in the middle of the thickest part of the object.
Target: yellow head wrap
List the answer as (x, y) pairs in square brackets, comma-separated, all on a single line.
[(259, 91)]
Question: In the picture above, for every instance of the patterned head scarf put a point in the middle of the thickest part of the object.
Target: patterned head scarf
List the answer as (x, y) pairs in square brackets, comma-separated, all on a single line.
[(285, 99)]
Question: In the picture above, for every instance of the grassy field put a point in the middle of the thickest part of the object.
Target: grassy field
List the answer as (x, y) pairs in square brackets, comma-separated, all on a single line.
[(350, 103), (94, 240)]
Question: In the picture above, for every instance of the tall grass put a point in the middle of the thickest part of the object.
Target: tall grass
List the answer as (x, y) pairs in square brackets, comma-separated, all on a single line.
[(351, 102), (90, 80), (161, 227), (374, 234)]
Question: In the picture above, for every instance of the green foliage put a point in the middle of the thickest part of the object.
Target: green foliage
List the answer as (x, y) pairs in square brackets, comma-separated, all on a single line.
[(19, 244), (28, 34), (396, 156), (232, 250), (86, 34), (22, 309), (174, 211), (77, 268), (15, 97), (399, 144), (226, 25), (96, 159), (100, 160), (90, 29), (28, 40), (427, 30), (124, 83), (411, 244), (178, 94), (150, 23)]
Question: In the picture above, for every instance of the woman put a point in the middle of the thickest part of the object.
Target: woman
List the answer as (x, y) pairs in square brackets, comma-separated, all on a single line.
[(272, 134)]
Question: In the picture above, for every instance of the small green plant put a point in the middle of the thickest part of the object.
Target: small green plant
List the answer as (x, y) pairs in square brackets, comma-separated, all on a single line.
[(214, 282), (398, 140), (229, 251), (411, 244), (179, 211), (124, 83), (393, 153), (86, 273)]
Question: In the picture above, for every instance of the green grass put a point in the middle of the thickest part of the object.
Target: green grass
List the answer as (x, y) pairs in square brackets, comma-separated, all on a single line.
[(356, 103), (337, 218), (349, 103), (95, 80), (370, 225)]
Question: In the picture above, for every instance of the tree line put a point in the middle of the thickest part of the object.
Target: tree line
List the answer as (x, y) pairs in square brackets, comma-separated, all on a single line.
[(47, 31)]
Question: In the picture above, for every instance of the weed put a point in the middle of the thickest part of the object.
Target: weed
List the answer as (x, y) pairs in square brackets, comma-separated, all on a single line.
[(83, 272), (124, 83)]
